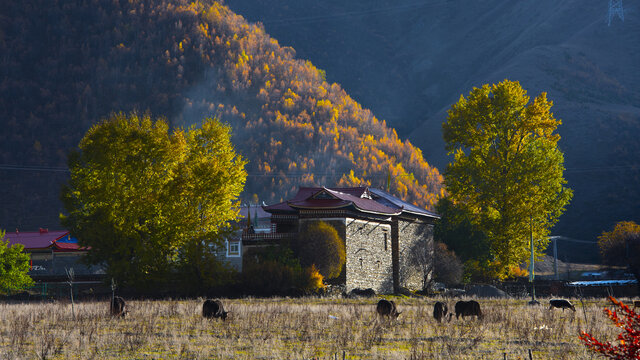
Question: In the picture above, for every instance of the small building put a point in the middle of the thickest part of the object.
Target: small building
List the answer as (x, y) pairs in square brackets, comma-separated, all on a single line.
[(388, 242), (52, 253), (252, 220)]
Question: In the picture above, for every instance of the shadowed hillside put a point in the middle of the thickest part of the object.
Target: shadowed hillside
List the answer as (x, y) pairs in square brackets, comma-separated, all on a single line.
[(67, 64), (409, 61)]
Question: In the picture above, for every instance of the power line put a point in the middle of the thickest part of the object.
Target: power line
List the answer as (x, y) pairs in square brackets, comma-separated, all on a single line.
[(10, 167), (563, 238), (32, 168)]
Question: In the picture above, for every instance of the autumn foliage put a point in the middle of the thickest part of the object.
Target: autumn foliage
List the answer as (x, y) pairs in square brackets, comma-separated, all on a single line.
[(628, 346), (320, 246), (70, 63)]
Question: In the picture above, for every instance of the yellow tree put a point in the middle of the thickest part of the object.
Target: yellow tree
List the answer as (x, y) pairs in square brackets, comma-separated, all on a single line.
[(507, 168), (146, 200)]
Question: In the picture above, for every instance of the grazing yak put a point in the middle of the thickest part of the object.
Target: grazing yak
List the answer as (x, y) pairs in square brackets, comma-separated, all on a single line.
[(213, 309), (440, 311), (387, 308), (118, 308), (561, 304), (468, 308), (636, 303)]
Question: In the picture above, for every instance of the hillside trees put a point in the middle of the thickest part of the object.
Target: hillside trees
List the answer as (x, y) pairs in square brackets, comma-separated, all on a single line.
[(507, 170), (75, 62), (14, 266), (146, 200)]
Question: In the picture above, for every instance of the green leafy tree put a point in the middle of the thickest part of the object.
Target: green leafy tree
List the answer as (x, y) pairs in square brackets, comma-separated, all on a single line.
[(14, 267), (139, 195), (320, 244), (507, 170), (457, 231)]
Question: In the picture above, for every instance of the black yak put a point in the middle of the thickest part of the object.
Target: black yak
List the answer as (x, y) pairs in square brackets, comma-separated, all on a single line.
[(561, 304), (636, 303), (468, 308), (213, 309), (362, 293), (440, 311), (118, 308), (387, 308)]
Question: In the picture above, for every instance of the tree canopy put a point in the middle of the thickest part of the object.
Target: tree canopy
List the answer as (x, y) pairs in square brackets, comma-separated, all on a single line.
[(507, 169), (621, 246), (319, 244), (14, 267), (142, 197)]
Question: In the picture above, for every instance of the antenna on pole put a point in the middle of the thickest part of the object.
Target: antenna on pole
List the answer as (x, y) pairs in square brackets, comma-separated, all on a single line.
[(615, 8)]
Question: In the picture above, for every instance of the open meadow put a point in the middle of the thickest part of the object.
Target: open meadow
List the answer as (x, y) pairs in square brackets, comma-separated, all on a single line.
[(284, 328)]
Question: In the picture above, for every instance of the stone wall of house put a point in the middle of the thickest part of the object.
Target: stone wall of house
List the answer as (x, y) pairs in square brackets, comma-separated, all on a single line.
[(369, 256), (415, 253)]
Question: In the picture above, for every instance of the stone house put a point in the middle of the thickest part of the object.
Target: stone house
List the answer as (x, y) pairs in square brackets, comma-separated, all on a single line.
[(388, 242)]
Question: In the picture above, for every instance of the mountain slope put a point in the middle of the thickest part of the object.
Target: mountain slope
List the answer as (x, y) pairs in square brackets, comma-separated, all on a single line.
[(409, 61), (66, 64)]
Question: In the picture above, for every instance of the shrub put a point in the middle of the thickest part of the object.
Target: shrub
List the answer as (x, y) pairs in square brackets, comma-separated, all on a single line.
[(319, 244), (276, 272), (448, 268), (629, 339)]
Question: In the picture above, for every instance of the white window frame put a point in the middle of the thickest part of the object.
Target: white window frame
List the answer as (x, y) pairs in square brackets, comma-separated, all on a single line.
[(234, 254)]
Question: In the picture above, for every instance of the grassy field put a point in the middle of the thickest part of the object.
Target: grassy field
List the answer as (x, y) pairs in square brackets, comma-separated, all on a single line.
[(296, 329)]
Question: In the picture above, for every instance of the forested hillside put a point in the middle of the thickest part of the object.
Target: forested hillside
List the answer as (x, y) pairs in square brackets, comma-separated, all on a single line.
[(408, 61), (66, 64)]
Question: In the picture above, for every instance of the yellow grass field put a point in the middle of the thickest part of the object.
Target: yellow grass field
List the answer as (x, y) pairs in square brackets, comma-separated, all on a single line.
[(283, 328)]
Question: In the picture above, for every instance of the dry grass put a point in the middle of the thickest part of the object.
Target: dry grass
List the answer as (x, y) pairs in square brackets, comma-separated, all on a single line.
[(295, 329)]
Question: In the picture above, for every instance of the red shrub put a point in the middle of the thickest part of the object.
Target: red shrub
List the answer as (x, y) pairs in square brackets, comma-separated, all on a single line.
[(629, 339)]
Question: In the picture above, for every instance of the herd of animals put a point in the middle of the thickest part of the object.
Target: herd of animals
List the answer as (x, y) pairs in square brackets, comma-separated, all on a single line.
[(385, 308)]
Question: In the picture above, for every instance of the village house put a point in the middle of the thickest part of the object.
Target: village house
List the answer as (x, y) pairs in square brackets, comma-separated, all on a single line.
[(52, 253), (388, 242)]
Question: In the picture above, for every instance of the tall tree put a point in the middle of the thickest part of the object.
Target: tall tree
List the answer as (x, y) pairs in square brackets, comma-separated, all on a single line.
[(139, 195), (14, 267), (507, 169)]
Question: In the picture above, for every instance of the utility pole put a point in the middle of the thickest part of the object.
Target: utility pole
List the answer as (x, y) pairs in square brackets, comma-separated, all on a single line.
[(615, 8), (555, 258), (532, 267)]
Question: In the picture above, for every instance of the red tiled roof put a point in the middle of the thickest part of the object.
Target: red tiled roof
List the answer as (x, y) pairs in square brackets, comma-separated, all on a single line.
[(41, 240), (340, 197)]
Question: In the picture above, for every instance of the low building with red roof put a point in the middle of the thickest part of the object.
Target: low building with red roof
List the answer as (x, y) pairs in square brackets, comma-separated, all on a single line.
[(388, 242), (52, 253)]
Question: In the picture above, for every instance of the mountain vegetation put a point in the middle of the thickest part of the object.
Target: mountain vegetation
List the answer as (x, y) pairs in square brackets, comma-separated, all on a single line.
[(409, 61), (67, 64)]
